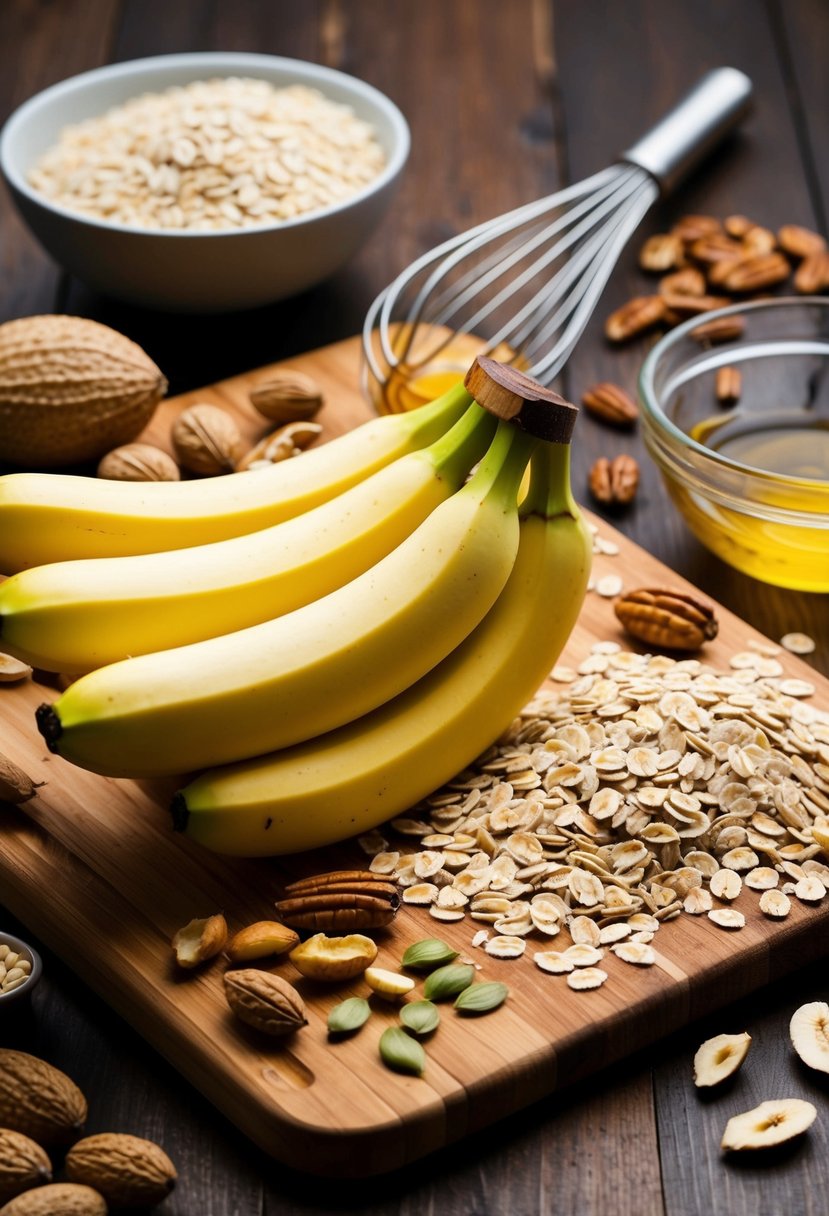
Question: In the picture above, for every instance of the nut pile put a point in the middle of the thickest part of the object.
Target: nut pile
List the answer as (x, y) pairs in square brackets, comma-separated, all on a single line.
[(15, 969), (704, 263), (217, 154), (649, 788), (207, 441)]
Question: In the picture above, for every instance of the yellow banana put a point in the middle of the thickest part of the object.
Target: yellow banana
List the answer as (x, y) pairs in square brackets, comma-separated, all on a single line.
[(49, 517), (249, 692), (76, 616), (352, 779)]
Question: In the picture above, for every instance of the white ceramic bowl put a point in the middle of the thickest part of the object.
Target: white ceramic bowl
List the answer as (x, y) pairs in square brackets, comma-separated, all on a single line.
[(198, 271)]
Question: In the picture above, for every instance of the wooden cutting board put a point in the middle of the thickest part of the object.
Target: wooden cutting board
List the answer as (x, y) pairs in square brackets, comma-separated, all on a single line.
[(92, 867)]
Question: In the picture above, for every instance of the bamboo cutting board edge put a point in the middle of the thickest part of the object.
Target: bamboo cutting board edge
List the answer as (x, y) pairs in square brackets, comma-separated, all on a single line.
[(120, 883)]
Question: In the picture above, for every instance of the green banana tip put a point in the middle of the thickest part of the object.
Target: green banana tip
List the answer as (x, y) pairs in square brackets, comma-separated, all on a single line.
[(49, 725), (179, 811)]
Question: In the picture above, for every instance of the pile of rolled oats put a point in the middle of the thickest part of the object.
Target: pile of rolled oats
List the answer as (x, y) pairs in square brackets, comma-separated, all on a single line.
[(216, 154), (647, 787)]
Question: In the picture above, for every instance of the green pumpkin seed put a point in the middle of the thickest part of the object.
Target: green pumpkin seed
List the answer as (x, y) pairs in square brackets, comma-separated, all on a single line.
[(348, 1016), (421, 1017), (400, 1052), (482, 998), (428, 954), (448, 982)]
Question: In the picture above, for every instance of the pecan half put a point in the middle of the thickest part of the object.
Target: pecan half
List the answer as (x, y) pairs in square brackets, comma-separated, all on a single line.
[(639, 314), (339, 901), (660, 252), (610, 403), (691, 227), (737, 225), (715, 247), (757, 272), (614, 482), (666, 618), (686, 282), (799, 242), (759, 240), (687, 305), (812, 274), (721, 329), (728, 385)]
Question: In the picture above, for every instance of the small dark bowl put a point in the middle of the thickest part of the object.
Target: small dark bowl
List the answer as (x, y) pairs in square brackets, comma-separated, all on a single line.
[(27, 987)]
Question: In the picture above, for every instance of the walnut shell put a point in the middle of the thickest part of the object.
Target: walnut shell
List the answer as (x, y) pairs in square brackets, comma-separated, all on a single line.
[(138, 462), (70, 390), (126, 1170), (23, 1164), (58, 1199), (265, 1001), (287, 396), (206, 440), (38, 1100)]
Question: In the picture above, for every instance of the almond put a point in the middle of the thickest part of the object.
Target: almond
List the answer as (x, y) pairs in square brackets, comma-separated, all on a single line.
[(23, 1164), (126, 1170), (38, 1100), (264, 938), (58, 1199)]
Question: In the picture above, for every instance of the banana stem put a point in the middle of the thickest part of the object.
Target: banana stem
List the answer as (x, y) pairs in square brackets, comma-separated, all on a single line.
[(503, 466), (429, 422), (550, 493), (454, 454)]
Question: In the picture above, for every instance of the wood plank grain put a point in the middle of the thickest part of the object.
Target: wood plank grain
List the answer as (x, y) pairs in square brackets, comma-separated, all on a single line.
[(666, 47), (802, 28), (43, 54), (697, 1176), (121, 883)]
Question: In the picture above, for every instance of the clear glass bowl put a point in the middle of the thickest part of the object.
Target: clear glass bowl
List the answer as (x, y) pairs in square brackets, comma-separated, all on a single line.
[(752, 478)]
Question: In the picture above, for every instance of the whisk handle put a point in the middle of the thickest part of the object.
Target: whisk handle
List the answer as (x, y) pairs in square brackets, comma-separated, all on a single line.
[(688, 132)]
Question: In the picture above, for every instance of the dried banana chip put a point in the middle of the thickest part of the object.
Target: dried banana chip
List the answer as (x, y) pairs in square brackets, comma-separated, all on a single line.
[(809, 1030), (768, 1124), (719, 1058)]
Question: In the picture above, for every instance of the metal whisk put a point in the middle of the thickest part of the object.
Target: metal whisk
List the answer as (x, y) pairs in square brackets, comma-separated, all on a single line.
[(525, 283)]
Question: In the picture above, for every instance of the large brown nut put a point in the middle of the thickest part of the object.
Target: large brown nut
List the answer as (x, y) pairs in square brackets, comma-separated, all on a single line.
[(340, 901), (38, 1100), (799, 242), (634, 317), (129, 1172), (614, 482), (666, 618), (207, 440), (287, 396), (758, 272), (264, 1001), (58, 1199), (70, 390), (610, 403), (812, 275), (23, 1164)]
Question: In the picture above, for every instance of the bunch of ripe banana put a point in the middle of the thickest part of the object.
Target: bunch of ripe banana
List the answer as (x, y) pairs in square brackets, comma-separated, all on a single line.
[(339, 635)]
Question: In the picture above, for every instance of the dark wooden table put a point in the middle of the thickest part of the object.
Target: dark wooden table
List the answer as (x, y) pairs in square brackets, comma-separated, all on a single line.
[(507, 100)]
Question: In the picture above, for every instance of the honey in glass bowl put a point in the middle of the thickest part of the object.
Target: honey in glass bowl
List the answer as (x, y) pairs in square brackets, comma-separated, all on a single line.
[(751, 480)]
